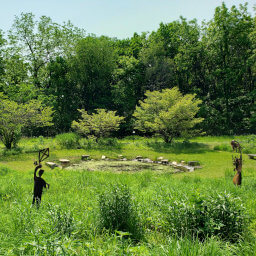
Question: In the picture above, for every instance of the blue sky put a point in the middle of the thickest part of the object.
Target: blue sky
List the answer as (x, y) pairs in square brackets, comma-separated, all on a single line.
[(114, 18)]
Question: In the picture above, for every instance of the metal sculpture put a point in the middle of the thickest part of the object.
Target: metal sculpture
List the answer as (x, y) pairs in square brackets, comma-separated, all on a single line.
[(39, 182), (237, 162), (42, 155)]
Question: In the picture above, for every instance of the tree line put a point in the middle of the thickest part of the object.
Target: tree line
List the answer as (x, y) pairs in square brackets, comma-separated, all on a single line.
[(61, 68)]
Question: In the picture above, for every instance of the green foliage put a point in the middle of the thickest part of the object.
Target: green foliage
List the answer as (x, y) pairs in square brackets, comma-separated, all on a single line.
[(68, 140), (64, 93), (67, 70), (41, 41), (167, 113), (92, 68), (99, 124), (14, 117), (118, 212), (221, 215)]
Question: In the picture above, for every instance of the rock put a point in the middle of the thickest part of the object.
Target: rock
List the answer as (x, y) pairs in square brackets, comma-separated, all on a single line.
[(52, 165), (120, 156), (184, 168), (138, 157), (182, 162), (251, 156), (103, 157), (64, 162), (174, 163), (160, 158), (165, 161), (193, 163), (85, 157), (147, 160), (124, 159)]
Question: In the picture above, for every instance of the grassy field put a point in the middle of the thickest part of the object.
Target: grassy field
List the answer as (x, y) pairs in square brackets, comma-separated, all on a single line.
[(138, 211)]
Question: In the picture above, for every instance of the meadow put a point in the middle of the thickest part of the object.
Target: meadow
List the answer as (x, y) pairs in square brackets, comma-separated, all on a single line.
[(141, 212)]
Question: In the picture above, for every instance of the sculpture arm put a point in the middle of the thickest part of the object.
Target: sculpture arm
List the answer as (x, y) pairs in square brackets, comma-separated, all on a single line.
[(37, 167)]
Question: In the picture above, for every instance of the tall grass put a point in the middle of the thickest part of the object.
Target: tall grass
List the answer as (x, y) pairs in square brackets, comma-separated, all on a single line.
[(90, 213)]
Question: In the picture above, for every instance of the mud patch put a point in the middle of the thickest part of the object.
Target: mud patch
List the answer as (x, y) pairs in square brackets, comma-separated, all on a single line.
[(121, 166)]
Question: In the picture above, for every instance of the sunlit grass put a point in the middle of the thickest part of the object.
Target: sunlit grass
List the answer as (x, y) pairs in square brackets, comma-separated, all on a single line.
[(68, 221)]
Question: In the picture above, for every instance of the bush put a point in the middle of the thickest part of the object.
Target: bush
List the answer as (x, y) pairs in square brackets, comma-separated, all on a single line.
[(223, 147), (68, 140), (12, 152), (108, 142), (118, 212), (200, 217), (88, 143)]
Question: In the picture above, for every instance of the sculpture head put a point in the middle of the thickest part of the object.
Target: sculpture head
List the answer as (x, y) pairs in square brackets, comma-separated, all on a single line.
[(41, 172)]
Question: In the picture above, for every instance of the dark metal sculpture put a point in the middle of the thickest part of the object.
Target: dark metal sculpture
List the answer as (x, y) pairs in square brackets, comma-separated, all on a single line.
[(42, 155), (39, 182), (237, 162)]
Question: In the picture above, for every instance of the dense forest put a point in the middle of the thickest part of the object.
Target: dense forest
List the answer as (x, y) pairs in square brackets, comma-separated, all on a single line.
[(62, 67)]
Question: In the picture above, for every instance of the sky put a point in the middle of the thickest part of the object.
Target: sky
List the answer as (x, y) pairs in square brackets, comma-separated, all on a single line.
[(114, 18)]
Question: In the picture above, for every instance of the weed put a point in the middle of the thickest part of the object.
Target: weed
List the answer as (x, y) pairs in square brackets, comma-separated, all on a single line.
[(201, 216), (118, 212), (62, 221)]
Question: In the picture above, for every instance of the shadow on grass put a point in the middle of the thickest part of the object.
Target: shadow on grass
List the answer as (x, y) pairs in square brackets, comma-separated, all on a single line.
[(179, 147)]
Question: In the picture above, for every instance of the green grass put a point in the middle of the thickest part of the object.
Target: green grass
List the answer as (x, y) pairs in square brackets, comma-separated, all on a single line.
[(69, 219)]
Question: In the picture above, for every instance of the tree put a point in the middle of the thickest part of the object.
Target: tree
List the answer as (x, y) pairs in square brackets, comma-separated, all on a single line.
[(229, 71), (65, 92), (93, 64), (167, 113), (99, 124), (2, 43), (41, 41), (127, 89), (14, 117)]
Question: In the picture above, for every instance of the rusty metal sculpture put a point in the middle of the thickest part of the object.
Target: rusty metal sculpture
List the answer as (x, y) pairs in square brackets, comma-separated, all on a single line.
[(237, 162), (235, 145)]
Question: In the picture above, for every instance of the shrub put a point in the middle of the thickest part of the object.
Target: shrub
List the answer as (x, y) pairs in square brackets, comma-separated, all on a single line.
[(223, 147), (220, 215), (68, 140), (12, 152), (118, 212), (88, 143), (108, 142)]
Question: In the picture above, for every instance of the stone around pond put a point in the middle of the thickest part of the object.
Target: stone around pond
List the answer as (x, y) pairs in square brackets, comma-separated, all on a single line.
[(64, 162), (147, 160), (165, 161), (85, 157), (184, 168), (174, 163), (193, 163), (160, 158), (252, 156), (52, 165)]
